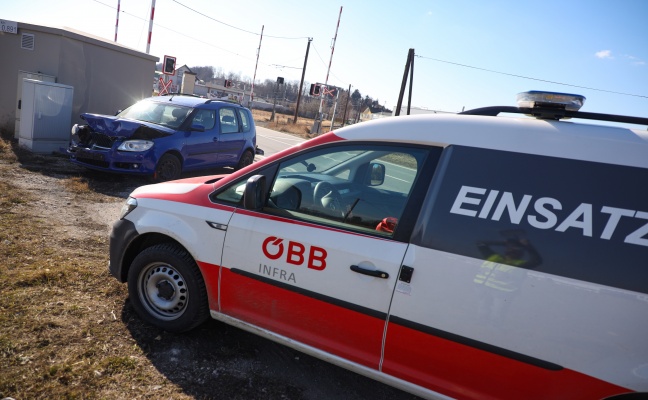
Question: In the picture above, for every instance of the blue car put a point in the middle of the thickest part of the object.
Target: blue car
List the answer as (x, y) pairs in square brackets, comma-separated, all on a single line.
[(164, 136)]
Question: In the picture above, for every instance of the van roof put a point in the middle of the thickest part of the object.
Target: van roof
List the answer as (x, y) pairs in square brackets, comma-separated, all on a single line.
[(587, 142)]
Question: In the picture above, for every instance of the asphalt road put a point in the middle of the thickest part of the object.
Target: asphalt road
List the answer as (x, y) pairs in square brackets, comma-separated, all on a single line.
[(273, 142)]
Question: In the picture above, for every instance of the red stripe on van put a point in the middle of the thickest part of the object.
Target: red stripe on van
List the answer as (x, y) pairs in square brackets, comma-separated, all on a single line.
[(340, 331), (465, 372)]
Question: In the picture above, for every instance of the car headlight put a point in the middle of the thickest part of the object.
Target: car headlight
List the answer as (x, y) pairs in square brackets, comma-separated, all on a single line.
[(135, 145), (129, 206)]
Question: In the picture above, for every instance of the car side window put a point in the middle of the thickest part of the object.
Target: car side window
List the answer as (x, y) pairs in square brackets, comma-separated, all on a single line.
[(228, 121), (205, 118), (245, 120), (359, 187)]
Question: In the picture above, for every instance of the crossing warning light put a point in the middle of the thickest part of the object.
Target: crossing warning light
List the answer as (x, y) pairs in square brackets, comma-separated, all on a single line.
[(168, 67), (315, 89)]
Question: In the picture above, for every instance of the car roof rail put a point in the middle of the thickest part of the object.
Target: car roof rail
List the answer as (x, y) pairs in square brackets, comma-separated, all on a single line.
[(223, 100), (555, 114)]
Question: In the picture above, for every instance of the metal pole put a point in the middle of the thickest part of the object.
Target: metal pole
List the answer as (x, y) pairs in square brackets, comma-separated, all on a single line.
[(301, 84), (117, 21), (337, 96), (274, 104), (148, 44), (346, 106), (411, 84), (410, 56), (255, 67), (318, 120)]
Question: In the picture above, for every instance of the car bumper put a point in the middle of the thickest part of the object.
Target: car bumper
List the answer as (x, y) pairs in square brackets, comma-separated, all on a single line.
[(112, 161)]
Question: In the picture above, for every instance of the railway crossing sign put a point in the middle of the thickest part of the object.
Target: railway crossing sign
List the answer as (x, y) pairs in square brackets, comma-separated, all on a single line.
[(164, 86)]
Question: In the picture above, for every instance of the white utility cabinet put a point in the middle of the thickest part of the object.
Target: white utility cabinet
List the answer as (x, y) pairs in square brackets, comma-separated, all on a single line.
[(39, 76), (45, 116)]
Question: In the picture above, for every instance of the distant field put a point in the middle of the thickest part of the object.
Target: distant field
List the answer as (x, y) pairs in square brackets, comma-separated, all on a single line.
[(284, 123)]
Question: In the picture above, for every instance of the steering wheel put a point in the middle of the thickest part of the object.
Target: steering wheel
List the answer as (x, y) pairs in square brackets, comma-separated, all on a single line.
[(329, 199)]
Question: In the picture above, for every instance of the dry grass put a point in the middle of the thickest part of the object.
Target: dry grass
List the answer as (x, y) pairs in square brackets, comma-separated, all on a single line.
[(284, 123)]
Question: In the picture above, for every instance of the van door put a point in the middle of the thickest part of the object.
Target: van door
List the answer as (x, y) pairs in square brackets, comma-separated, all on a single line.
[(524, 280), (231, 139), (318, 263), (201, 149)]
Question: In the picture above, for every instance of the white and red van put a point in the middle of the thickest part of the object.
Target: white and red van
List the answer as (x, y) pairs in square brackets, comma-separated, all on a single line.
[(464, 256)]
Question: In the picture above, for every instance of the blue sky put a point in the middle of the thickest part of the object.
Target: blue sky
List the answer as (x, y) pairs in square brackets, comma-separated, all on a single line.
[(469, 53)]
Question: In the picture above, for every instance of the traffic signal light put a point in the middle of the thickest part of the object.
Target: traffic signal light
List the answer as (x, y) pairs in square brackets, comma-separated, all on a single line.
[(315, 89), (168, 67)]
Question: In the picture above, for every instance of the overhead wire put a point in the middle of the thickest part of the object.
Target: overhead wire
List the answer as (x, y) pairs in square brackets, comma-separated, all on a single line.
[(530, 78), (235, 27)]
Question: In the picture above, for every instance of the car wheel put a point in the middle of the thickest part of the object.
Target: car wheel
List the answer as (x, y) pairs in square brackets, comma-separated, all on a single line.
[(246, 159), (167, 289), (168, 168)]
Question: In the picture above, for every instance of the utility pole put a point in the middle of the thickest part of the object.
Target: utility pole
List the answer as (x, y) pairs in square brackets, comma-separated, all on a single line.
[(346, 106), (409, 67), (255, 67), (301, 84), (318, 119)]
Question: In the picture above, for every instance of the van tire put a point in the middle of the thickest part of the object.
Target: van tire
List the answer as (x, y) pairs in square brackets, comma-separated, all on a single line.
[(166, 288)]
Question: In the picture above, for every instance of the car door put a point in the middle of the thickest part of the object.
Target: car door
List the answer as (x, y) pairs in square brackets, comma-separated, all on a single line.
[(320, 268), (201, 148), (231, 139)]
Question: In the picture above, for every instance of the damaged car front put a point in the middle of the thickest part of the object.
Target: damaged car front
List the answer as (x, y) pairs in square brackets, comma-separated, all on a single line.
[(131, 142)]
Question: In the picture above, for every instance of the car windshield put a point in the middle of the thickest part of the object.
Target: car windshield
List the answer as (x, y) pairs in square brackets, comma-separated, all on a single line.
[(169, 115)]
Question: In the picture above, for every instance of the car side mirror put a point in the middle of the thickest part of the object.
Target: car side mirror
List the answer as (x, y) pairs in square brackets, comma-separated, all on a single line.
[(197, 128), (376, 174), (254, 196)]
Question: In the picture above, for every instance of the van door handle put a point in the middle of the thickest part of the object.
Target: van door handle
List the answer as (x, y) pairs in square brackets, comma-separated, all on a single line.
[(370, 272)]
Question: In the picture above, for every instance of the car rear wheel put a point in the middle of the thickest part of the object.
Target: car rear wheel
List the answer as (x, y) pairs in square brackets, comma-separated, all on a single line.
[(166, 288), (246, 159), (168, 168)]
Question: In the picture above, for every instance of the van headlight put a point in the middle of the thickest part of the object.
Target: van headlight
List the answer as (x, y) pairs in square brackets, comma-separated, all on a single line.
[(135, 145), (128, 206)]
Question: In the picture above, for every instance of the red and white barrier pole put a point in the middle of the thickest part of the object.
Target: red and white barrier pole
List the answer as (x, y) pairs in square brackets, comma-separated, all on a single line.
[(148, 44), (117, 21)]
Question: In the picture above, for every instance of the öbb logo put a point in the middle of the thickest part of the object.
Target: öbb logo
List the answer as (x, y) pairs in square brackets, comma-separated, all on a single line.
[(273, 248)]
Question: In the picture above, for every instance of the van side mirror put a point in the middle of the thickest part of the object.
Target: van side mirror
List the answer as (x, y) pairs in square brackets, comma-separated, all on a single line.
[(254, 196), (376, 174)]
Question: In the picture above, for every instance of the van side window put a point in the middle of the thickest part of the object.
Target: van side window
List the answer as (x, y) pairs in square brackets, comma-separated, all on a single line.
[(205, 118), (359, 187), (245, 120), (228, 121)]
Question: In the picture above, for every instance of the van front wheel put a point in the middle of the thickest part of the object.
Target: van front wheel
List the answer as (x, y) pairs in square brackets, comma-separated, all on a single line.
[(166, 288)]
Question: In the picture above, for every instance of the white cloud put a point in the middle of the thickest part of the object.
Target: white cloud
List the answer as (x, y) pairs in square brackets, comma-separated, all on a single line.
[(635, 60), (604, 54)]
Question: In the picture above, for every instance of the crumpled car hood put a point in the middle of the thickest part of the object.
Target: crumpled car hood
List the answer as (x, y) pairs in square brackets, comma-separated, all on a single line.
[(124, 128)]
